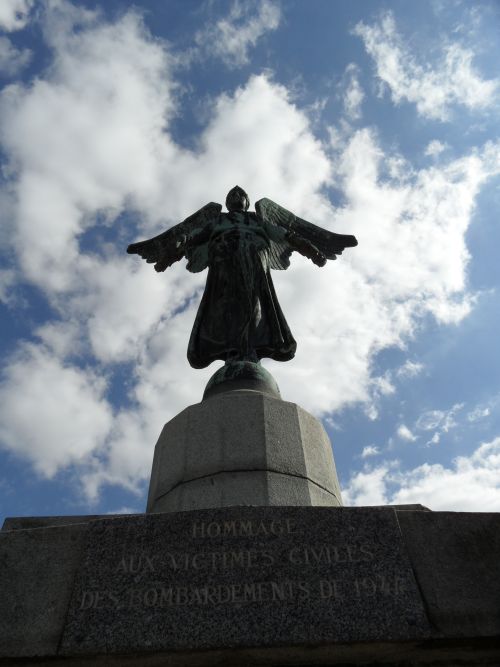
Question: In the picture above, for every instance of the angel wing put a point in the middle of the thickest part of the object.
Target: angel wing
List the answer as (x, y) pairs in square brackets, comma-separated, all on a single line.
[(184, 239), (327, 243)]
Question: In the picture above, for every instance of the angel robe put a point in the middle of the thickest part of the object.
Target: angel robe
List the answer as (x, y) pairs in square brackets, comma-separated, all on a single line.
[(239, 316)]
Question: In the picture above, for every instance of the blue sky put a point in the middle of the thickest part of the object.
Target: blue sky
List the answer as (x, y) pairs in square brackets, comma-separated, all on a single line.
[(378, 119)]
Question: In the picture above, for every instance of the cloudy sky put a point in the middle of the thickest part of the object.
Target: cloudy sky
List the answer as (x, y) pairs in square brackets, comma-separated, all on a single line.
[(378, 119)]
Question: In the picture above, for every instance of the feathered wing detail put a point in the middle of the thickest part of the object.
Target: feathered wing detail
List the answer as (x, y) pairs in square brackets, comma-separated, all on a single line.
[(328, 243), (279, 254), (185, 239)]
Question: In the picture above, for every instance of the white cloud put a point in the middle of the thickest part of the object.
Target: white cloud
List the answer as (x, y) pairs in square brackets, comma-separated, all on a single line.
[(470, 484), (478, 413), (367, 487), (404, 433), (429, 420), (12, 60), (14, 14), (7, 280), (409, 369), (230, 38), (436, 438), (435, 147), (52, 414), (353, 96), (433, 87), (90, 139), (444, 419), (369, 450)]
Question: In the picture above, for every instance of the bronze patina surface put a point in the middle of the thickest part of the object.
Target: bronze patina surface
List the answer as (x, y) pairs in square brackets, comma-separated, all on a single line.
[(239, 318)]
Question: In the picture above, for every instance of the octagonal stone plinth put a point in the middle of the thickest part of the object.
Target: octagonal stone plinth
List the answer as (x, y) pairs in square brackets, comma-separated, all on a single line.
[(242, 448)]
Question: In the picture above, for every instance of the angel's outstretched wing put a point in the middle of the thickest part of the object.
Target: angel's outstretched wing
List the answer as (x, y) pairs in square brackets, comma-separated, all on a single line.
[(329, 244), (179, 241)]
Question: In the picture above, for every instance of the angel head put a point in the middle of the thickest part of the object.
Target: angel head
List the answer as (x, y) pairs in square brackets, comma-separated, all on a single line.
[(237, 199)]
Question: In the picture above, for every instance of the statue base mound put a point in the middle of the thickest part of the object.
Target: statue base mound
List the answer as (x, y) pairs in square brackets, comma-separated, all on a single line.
[(236, 375)]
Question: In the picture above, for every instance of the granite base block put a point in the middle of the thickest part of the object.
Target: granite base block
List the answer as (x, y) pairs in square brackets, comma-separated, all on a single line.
[(253, 586), (243, 577), (456, 560), (37, 568), (242, 448)]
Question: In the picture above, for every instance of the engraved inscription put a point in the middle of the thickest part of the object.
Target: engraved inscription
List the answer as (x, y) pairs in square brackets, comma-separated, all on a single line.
[(213, 561), (154, 580), (308, 555), (244, 592), (240, 528), (218, 561)]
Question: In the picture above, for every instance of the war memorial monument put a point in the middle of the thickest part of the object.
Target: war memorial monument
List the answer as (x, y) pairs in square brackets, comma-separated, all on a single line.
[(245, 554)]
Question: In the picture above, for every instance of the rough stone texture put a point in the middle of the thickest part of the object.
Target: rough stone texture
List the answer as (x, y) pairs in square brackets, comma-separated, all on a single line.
[(243, 488), (242, 448), (27, 522), (244, 577), (459, 653), (37, 568), (456, 559)]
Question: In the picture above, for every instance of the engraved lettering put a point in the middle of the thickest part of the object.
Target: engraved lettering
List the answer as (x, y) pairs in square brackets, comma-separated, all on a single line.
[(198, 529), (148, 564), (304, 589), (329, 554), (182, 595), (369, 587), (150, 597), (236, 592), (211, 595), (230, 528), (321, 555), (241, 528), (99, 600), (328, 589), (165, 597), (267, 558), (195, 561), (135, 598), (277, 591), (122, 565), (87, 600), (224, 598), (197, 596), (337, 555), (172, 561), (135, 564), (213, 529), (366, 551), (246, 528), (250, 592)]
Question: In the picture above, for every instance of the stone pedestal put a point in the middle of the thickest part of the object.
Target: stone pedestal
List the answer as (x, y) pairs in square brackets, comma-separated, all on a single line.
[(242, 448), (261, 586), (237, 563)]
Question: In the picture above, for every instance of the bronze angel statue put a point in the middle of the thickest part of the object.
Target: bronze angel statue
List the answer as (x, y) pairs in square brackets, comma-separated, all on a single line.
[(239, 318)]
